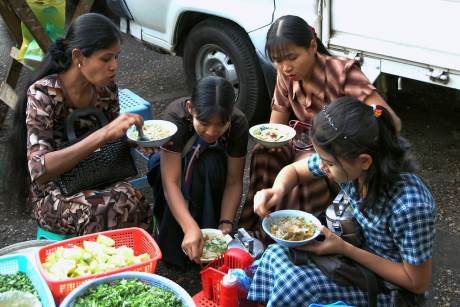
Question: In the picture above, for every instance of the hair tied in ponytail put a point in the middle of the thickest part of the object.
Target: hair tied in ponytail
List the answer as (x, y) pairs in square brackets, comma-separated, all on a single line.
[(313, 32), (57, 52)]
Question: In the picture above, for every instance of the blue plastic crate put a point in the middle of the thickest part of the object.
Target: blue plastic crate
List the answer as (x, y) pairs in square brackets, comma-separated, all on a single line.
[(20, 263), (132, 103)]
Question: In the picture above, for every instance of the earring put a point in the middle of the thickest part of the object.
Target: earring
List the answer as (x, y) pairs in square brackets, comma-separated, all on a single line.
[(79, 65)]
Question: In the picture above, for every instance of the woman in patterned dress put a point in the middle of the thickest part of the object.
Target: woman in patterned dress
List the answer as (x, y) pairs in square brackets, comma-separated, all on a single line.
[(77, 73), (308, 78), (356, 146)]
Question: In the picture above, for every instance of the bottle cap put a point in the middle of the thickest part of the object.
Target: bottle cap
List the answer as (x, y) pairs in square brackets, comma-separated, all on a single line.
[(229, 280)]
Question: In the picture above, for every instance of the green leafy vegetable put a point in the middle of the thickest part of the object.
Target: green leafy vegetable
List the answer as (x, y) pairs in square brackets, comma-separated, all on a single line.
[(128, 293), (18, 281)]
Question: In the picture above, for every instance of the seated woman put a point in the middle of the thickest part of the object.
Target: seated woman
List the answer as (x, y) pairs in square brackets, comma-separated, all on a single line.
[(77, 73), (201, 178), (357, 147), (308, 78)]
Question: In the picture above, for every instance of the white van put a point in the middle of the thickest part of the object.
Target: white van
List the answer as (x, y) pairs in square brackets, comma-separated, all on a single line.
[(409, 38)]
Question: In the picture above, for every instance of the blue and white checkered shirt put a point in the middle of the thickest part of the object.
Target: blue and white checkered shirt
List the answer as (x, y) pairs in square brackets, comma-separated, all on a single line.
[(402, 230)]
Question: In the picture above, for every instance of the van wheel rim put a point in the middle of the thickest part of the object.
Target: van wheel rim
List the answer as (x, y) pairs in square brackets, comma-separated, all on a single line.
[(213, 61)]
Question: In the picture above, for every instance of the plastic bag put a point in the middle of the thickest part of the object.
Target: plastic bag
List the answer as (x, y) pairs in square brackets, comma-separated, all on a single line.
[(18, 299), (51, 15)]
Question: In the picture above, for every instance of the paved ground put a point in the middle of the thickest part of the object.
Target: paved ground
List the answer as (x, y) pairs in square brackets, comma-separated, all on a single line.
[(430, 118)]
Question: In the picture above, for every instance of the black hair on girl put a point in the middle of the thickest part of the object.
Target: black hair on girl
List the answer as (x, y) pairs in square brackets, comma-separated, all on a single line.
[(88, 33), (288, 30), (347, 128), (213, 96)]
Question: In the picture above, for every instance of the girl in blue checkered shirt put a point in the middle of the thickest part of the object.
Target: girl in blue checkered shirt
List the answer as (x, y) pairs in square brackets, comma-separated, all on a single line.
[(357, 146)]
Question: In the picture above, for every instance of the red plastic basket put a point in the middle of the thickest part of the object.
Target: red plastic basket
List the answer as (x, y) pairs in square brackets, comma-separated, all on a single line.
[(136, 238), (211, 279)]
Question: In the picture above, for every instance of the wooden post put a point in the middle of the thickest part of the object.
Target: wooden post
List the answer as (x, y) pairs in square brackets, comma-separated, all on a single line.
[(7, 93), (26, 15), (8, 96), (83, 7), (12, 22), (13, 12)]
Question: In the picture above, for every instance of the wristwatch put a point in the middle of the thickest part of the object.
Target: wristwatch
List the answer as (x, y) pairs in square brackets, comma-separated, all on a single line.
[(225, 222)]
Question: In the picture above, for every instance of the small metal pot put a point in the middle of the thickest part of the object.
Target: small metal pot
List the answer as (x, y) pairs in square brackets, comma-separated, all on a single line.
[(340, 220)]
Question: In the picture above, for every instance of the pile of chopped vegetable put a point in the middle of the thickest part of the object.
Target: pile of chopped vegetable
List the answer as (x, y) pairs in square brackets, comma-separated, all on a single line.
[(95, 257), (124, 293), (18, 281)]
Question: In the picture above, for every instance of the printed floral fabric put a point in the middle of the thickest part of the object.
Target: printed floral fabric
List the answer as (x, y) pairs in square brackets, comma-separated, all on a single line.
[(115, 206)]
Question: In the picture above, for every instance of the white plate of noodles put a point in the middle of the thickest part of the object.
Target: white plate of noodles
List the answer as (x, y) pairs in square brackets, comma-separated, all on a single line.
[(291, 228), (215, 244), (272, 135), (157, 132)]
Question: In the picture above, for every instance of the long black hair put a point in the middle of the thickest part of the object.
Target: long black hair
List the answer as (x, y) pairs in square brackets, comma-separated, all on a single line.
[(288, 30), (213, 96), (347, 128), (88, 33)]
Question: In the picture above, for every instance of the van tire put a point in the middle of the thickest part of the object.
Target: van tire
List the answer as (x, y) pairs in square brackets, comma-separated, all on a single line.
[(218, 47)]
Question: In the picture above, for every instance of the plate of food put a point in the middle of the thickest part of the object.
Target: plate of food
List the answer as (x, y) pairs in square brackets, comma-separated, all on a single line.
[(156, 132), (215, 244), (291, 228), (272, 135)]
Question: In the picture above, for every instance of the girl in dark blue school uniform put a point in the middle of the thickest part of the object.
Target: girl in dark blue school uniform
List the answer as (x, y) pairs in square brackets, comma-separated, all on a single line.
[(198, 175)]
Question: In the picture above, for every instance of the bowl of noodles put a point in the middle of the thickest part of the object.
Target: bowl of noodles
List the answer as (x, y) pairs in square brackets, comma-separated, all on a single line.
[(272, 135), (291, 228), (215, 244), (156, 131)]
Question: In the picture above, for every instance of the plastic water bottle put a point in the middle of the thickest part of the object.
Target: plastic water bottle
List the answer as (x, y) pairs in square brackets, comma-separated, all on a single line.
[(229, 291)]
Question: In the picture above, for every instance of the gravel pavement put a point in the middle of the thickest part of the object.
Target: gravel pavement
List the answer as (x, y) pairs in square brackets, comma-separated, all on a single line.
[(431, 121)]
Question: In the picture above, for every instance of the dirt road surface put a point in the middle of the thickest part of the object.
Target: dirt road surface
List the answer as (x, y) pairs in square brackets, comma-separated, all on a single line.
[(431, 121)]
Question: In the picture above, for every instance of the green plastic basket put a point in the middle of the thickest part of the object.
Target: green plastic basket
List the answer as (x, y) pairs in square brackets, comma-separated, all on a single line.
[(20, 263)]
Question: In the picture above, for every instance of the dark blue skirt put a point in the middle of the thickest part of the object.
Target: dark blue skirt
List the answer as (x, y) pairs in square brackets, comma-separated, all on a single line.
[(205, 199)]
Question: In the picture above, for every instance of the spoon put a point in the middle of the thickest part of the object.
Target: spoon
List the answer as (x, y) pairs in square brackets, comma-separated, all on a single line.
[(269, 219), (141, 136)]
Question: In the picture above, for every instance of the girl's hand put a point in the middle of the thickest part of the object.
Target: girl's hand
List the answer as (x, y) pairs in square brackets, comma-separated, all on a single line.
[(149, 150), (275, 150), (118, 127), (226, 228), (331, 245), (193, 243), (266, 199)]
